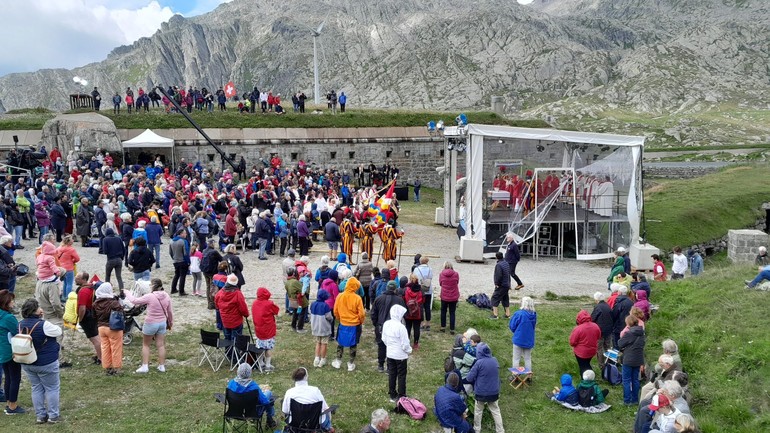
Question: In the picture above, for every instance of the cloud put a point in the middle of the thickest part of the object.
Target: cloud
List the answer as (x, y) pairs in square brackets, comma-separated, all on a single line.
[(40, 34)]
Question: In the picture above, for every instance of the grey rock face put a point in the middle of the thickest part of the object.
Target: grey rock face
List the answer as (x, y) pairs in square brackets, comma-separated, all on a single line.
[(650, 56), (94, 130)]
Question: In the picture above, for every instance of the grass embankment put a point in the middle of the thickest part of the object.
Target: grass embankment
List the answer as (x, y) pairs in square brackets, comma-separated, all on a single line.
[(687, 211), (352, 118)]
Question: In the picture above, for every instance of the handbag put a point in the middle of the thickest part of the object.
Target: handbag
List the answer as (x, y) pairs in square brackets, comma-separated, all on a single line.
[(117, 321)]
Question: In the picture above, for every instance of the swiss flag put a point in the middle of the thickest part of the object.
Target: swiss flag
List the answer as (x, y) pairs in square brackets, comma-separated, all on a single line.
[(230, 90)]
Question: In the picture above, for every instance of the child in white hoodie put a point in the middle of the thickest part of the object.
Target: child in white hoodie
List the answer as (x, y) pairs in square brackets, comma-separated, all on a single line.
[(398, 348)]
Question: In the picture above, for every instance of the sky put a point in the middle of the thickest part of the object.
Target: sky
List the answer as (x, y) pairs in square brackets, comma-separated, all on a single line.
[(38, 34)]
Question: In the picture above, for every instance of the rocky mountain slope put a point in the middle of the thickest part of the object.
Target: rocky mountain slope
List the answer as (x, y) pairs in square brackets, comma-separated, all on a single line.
[(573, 58)]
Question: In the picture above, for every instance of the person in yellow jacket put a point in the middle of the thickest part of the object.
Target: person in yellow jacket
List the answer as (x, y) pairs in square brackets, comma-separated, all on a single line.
[(349, 310)]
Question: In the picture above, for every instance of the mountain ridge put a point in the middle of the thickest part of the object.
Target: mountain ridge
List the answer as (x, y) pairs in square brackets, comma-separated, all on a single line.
[(649, 56)]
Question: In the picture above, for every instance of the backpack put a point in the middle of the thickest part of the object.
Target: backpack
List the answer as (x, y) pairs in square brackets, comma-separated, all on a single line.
[(412, 407), (206, 264), (611, 374), (483, 301), (586, 396), (23, 349), (412, 309), (381, 287)]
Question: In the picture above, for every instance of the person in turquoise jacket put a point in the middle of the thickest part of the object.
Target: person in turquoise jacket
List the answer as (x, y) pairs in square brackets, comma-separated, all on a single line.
[(12, 370)]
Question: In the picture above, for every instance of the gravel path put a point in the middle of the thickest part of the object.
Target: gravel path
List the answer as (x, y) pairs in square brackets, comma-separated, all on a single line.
[(568, 277)]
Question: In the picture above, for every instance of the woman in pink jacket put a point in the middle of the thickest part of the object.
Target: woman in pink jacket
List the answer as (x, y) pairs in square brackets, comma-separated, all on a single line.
[(449, 280), (159, 320)]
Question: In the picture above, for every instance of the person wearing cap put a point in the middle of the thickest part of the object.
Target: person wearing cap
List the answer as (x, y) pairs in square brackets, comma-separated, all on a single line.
[(112, 341), (665, 415), (349, 310), (232, 308), (622, 252)]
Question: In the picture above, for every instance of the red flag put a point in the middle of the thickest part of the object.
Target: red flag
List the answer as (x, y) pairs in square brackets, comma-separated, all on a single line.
[(230, 90), (385, 201)]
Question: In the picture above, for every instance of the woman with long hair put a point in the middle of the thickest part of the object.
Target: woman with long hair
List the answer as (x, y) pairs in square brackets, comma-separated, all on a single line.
[(159, 320)]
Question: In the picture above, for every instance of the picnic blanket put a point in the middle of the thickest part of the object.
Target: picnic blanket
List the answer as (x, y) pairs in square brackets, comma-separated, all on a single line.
[(599, 408)]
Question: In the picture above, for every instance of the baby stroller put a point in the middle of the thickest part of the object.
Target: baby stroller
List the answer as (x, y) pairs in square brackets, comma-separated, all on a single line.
[(131, 311)]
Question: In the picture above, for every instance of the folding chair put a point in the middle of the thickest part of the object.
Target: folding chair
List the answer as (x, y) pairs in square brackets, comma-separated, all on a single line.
[(520, 376), (242, 410), (306, 418), (240, 352), (212, 349)]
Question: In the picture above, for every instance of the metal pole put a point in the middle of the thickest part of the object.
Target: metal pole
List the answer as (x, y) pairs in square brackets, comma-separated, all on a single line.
[(315, 72)]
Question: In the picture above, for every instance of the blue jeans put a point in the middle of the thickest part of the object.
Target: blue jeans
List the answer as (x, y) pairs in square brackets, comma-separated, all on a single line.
[(155, 248), (262, 247), (763, 275), (12, 284), (69, 280), (17, 232), (142, 275), (630, 385), (43, 231), (270, 407), (45, 388), (231, 333)]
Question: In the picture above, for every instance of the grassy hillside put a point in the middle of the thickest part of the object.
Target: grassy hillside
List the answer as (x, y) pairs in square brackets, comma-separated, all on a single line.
[(719, 328), (352, 118), (686, 211)]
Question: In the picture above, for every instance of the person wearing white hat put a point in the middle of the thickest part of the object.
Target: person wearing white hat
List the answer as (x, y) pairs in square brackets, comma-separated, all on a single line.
[(232, 308)]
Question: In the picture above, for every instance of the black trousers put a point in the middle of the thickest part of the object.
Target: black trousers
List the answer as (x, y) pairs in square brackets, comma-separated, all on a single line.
[(180, 275), (513, 274), (396, 374), (584, 364), (284, 242), (381, 348), (451, 306), (298, 319), (303, 246), (413, 324)]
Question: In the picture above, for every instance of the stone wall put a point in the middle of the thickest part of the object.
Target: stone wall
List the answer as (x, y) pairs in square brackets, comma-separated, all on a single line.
[(743, 245), (680, 170)]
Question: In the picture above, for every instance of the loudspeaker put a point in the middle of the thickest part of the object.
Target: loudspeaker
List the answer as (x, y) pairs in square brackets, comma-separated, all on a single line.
[(402, 193)]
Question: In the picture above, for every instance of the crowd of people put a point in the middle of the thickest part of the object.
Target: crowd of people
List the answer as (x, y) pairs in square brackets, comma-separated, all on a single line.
[(203, 99), (128, 212)]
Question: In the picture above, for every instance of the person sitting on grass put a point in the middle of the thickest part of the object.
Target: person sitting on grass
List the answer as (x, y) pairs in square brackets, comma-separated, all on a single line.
[(567, 393), (588, 391), (243, 383), (464, 353), (764, 274)]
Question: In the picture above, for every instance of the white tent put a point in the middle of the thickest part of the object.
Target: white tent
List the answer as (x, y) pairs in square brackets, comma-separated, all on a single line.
[(149, 139)]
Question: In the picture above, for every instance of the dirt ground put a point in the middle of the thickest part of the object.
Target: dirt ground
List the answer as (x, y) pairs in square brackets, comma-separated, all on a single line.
[(567, 277)]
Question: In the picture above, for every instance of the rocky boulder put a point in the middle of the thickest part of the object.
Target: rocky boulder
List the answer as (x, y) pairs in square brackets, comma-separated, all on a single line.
[(93, 130)]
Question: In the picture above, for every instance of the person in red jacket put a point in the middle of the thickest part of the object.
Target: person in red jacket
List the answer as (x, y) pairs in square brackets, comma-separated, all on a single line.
[(413, 300), (584, 339), (263, 312), (231, 225), (449, 280), (232, 308)]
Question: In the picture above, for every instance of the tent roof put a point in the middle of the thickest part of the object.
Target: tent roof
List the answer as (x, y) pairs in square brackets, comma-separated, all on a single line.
[(550, 135), (148, 139)]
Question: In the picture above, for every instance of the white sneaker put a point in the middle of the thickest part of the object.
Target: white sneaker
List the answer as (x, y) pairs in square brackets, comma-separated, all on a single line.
[(337, 364), (143, 369), (322, 362), (162, 368), (316, 360), (351, 366)]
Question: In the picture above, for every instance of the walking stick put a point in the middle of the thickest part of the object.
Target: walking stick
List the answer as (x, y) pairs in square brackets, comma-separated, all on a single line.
[(400, 248), (380, 254)]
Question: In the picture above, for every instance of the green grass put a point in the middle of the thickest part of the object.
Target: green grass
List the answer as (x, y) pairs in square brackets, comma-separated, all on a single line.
[(353, 118), (687, 211), (717, 323)]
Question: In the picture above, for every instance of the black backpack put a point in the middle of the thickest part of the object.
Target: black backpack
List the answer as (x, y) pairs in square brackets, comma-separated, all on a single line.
[(209, 266), (586, 396)]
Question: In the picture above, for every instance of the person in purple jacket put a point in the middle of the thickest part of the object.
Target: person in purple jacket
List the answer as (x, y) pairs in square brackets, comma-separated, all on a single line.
[(303, 233)]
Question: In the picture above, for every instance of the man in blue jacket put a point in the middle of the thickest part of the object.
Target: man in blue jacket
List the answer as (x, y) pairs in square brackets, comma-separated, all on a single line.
[(512, 256), (450, 408), (485, 378)]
